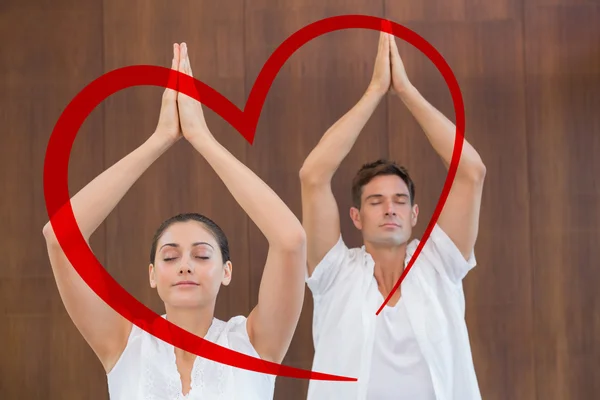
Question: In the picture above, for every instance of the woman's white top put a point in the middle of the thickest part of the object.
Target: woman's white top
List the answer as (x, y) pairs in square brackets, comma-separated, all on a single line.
[(147, 369)]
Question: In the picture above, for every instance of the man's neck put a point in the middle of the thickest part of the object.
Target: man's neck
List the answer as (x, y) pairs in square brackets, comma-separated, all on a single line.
[(389, 265)]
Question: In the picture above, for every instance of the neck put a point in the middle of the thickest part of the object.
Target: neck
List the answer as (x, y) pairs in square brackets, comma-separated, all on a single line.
[(193, 320), (389, 264)]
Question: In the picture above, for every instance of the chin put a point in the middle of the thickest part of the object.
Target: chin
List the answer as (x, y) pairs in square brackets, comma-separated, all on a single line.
[(186, 300), (183, 304), (391, 240)]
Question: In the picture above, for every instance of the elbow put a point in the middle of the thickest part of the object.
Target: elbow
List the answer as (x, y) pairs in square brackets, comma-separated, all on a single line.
[(305, 173), (479, 171), (294, 241), (310, 176), (474, 172), (297, 239), (48, 233)]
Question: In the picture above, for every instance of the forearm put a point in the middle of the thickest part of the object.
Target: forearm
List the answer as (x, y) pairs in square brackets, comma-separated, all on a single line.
[(92, 204), (441, 133), (336, 143), (270, 214)]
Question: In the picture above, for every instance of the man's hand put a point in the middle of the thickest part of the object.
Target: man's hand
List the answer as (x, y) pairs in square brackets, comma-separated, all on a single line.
[(381, 80), (400, 82)]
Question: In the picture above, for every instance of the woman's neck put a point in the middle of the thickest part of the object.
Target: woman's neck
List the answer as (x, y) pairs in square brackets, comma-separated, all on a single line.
[(193, 320)]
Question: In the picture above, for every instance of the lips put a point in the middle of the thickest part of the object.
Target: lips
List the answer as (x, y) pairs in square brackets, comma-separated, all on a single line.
[(186, 283)]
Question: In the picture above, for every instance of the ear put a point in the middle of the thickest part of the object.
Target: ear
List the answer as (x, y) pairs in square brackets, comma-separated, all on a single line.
[(413, 215), (152, 274), (227, 271), (355, 216)]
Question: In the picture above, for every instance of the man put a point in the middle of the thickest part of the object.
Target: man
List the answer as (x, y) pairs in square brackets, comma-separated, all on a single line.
[(418, 347)]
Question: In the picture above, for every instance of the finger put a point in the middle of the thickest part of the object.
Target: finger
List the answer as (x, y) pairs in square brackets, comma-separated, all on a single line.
[(385, 51), (180, 59), (176, 54), (394, 49), (170, 90), (188, 67)]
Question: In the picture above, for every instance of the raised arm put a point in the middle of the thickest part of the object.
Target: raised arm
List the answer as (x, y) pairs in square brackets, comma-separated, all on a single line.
[(460, 216), (272, 323), (320, 214), (104, 329)]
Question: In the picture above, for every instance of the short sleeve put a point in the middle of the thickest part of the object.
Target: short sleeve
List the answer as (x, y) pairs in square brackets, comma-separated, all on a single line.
[(327, 271), (452, 262)]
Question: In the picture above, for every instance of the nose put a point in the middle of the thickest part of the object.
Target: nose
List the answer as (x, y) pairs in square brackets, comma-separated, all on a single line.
[(389, 209), (186, 267)]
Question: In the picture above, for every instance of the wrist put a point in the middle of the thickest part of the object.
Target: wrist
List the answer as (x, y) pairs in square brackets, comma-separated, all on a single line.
[(374, 92), (201, 140), (160, 142), (406, 92)]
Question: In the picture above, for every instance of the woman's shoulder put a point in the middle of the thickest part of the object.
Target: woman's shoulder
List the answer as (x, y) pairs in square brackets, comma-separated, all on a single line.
[(233, 334)]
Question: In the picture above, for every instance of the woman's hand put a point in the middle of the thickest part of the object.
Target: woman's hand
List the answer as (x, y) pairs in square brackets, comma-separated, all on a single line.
[(168, 128), (193, 124)]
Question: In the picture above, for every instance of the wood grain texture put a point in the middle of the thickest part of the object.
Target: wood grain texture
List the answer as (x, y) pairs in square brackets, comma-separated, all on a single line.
[(528, 70), (50, 51), (315, 87), (563, 76), (181, 180), (486, 59)]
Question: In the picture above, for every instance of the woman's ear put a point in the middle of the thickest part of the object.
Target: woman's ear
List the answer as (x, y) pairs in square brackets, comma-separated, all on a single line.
[(152, 276), (227, 271)]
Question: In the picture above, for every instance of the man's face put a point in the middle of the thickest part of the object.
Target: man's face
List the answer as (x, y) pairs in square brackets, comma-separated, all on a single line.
[(386, 216)]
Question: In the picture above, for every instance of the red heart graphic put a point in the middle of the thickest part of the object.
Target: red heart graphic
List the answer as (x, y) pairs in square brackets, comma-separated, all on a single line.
[(56, 164)]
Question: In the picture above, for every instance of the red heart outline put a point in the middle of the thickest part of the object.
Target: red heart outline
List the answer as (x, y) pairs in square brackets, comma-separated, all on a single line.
[(56, 163)]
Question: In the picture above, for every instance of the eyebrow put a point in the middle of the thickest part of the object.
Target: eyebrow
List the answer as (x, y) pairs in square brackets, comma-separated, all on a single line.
[(193, 244), (380, 195)]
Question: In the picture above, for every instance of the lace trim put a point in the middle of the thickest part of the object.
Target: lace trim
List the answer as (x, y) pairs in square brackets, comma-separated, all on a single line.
[(161, 380)]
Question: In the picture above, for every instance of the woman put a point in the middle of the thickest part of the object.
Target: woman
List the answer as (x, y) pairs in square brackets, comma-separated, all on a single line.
[(189, 262)]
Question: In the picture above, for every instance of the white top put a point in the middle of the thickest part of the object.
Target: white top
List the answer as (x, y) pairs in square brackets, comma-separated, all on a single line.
[(398, 369), (346, 299), (147, 370)]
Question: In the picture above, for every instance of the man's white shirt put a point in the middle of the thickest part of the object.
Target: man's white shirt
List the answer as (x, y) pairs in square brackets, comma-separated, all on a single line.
[(345, 327)]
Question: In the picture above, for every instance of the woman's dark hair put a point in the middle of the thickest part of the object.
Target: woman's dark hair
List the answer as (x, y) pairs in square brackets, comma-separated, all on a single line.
[(209, 224)]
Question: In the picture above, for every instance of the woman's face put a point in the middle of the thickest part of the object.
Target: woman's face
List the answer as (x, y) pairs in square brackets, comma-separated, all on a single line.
[(188, 269)]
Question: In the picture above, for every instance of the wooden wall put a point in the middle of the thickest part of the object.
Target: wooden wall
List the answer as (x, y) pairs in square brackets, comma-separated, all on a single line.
[(529, 71)]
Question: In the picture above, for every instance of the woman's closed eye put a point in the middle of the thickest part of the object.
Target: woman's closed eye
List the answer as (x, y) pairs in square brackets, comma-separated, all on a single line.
[(167, 259)]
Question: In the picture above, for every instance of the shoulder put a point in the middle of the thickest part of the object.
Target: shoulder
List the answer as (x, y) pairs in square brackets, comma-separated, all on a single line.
[(440, 252), (341, 254)]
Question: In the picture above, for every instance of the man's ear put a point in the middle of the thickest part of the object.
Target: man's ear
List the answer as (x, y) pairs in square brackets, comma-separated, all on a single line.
[(414, 214), (355, 217)]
